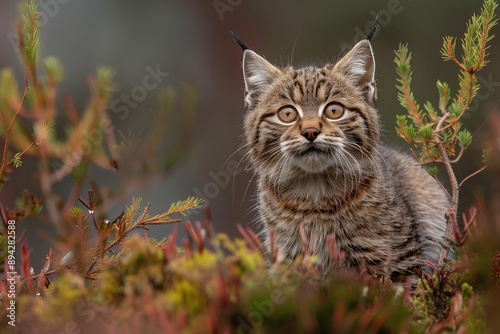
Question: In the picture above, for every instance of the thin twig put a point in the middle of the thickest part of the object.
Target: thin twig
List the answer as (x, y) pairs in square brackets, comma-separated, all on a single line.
[(442, 186), (428, 162), (20, 154), (247, 238), (452, 57), (466, 104), (440, 124), (459, 156), (5, 164), (484, 36), (470, 222), (454, 189), (472, 175)]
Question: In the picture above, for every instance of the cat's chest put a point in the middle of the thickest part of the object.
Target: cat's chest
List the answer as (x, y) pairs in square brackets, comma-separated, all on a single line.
[(317, 200), (315, 189), (309, 192), (357, 217)]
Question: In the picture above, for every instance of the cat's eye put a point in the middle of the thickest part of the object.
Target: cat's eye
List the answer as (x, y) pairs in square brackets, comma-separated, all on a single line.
[(334, 111), (288, 114)]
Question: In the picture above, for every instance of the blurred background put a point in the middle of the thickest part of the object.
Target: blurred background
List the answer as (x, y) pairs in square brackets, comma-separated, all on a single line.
[(190, 41)]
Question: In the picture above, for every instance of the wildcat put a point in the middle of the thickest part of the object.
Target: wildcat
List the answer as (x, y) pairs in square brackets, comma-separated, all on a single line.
[(313, 136)]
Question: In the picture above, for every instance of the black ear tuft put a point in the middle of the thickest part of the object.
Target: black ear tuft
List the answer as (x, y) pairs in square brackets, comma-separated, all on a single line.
[(240, 43), (373, 29)]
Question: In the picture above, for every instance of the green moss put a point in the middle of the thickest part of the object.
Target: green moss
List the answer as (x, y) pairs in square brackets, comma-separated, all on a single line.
[(228, 287), (59, 302), (184, 295), (467, 290)]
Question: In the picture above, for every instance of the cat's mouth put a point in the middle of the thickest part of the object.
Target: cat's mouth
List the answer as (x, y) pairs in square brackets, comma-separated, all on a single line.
[(313, 158), (312, 150)]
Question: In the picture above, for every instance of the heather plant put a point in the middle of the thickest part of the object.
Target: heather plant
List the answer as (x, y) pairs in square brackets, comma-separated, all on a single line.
[(438, 136), (29, 131), (87, 235), (102, 276), (437, 133)]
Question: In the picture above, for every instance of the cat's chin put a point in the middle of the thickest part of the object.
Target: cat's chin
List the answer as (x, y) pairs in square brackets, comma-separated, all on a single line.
[(314, 162)]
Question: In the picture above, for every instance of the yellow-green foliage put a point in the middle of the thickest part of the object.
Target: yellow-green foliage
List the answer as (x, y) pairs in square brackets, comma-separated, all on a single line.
[(420, 128), (224, 286), (58, 304), (126, 277), (246, 262)]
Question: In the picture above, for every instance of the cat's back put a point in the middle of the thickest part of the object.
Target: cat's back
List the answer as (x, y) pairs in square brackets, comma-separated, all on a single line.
[(426, 201), (411, 180)]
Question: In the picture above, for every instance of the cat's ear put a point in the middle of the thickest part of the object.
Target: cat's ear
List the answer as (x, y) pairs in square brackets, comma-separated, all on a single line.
[(358, 66), (258, 74)]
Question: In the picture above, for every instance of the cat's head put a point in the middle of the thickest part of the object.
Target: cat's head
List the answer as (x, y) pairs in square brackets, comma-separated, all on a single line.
[(311, 118)]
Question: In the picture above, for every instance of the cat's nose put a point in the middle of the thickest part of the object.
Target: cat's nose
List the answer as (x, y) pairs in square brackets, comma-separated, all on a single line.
[(310, 133)]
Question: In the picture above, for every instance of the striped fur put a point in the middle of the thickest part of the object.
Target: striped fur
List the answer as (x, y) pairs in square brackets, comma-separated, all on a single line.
[(381, 209)]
